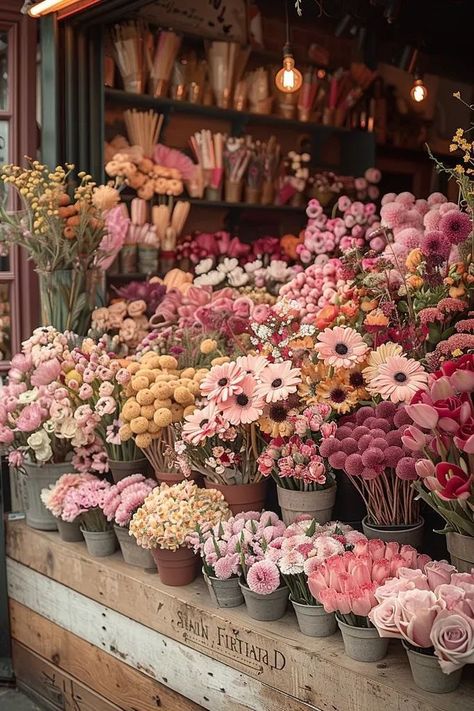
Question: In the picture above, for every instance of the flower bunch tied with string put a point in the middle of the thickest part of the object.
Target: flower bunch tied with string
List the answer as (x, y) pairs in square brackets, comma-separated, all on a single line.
[(222, 438)]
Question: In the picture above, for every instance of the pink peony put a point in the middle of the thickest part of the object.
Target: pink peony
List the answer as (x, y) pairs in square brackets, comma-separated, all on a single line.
[(30, 418), (46, 372)]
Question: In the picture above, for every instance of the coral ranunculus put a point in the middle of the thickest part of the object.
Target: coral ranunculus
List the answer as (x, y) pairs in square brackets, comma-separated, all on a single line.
[(326, 316), (455, 483)]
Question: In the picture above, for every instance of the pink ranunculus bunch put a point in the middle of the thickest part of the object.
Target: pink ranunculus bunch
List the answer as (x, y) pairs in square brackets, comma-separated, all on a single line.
[(124, 498), (304, 547), (86, 503), (432, 609), (346, 583), (371, 448), (295, 461), (318, 285), (347, 229), (222, 546), (53, 497), (443, 438), (235, 395)]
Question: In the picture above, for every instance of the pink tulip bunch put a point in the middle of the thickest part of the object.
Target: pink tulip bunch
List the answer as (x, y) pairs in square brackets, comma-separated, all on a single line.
[(346, 230), (124, 498), (443, 437), (346, 583), (431, 609)]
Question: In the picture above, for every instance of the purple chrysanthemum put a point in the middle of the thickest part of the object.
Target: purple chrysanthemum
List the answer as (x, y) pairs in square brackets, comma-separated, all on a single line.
[(456, 226), (435, 244)]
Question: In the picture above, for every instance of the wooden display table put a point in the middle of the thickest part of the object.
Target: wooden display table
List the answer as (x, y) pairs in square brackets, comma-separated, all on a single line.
[(94, 634)]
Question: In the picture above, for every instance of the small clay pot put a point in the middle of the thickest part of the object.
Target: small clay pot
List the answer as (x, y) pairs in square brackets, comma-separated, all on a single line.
[(241, 497), (171, 478), (176, 568)]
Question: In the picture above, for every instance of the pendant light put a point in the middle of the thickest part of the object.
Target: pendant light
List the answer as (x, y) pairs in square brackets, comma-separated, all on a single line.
[(418, 92), (288, 79)]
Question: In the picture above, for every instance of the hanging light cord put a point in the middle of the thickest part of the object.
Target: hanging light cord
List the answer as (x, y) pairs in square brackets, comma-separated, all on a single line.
[(287, 45)]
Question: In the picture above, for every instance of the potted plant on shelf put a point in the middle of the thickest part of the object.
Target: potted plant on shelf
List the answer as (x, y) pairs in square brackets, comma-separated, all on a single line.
[(120, 503), (218, 548), (371, 448), (443, 436), (166, 518), (53, 499), (98, 392), (37, 421), (304, 547), (305, 484), (264, 591), (223, 439), (85, 504), (431, 611), (346, 584), (159, 395), (71, 240)]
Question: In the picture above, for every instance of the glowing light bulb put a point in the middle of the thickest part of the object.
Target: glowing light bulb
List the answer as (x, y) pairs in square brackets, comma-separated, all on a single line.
[(418, 92), (288, 79)]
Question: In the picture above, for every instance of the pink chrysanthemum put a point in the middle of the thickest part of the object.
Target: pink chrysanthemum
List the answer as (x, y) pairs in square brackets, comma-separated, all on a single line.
[(341, 347), (435, 243), (456, 226), (223, 381), (244, 407), (278, 381), (398, 379), (263, 577)]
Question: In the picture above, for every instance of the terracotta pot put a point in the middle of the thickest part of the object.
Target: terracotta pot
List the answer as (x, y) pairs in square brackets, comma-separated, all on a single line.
[(241, 497), (120, 470), (171, 478), (314, 621), (427, 673), (176, 568), (317, 504), (133, 554), (224, 593), (100, 543), (362, 643), (461, 551), (70, 532), (404, 535), (266, 608), (38, 478)]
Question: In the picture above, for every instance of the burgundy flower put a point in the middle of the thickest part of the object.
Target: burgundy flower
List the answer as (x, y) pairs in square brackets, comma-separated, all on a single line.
[(465, 362), (456, 226), (464, 438), (455, 483)]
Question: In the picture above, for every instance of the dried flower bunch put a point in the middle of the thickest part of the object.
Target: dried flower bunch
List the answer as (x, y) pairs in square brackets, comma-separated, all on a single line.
[(170, 513)]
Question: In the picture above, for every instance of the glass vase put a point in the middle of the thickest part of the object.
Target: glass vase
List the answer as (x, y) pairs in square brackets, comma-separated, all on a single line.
[(68, 297)]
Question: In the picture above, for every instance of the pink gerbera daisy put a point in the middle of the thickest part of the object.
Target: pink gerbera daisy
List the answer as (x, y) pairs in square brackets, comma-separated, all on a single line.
[(244, 407), (201, 424), (223, 381), (398, 379), (341, 347), (278, 381), (252, 364)]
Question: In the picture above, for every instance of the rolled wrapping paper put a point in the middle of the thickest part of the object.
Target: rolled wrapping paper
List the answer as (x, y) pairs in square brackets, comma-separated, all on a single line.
[(138, 211)]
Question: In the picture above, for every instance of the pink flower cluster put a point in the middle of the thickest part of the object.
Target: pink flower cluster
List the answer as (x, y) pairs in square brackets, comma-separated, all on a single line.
[(231, 547), (88, 496), (326, 235), (124, 498), (221, 244), (434, 225), (347, 583), (296, 459), (53, 497), (319, 285), (430, 607)]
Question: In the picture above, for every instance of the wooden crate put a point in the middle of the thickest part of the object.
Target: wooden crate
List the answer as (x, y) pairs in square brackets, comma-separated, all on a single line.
[(119, 633)]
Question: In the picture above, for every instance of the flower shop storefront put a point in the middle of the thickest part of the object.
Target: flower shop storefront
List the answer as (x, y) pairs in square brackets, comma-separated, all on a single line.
[(240, 441)]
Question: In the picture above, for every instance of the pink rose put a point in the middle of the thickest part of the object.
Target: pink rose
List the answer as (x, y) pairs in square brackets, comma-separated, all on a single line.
[(452, 636), (382, 617), (439, 572), (415, 616)]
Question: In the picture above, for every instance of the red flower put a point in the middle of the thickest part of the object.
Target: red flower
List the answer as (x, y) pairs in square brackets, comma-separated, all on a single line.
[(465, 362), (455, 483), (464, 438)]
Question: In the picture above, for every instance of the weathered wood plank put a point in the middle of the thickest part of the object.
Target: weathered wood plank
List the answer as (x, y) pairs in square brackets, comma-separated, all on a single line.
[(313, 670), (209, 683), (94, 668), (54, 685)]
